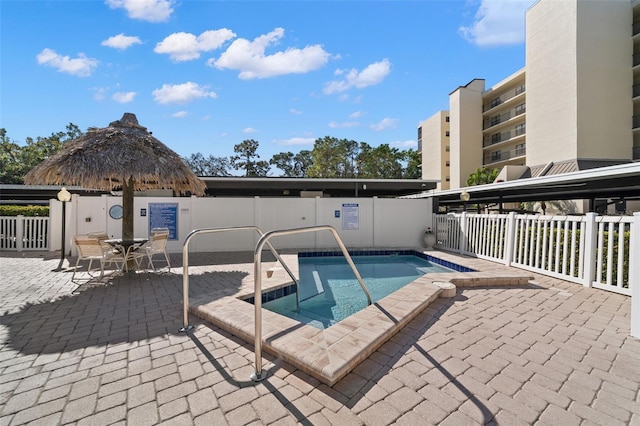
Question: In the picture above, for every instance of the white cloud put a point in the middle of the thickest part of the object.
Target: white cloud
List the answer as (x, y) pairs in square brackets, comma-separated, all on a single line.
[(373, 74), (295, 141), (249, 130), (180, 114), (121, 41), (404, 144), (384, 124), (99, 93), (343, 125), (82, 66), (144, 10), (124, 97), (250, 59), (497, 22), (186, 47), (357, 114), (181, 93), (295, 111)]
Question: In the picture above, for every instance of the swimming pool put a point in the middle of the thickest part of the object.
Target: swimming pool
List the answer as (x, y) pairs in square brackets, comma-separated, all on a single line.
[(329, 292)]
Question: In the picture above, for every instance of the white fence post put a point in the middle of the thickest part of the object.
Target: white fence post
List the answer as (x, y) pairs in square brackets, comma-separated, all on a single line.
[(510, 236), (634, 274), (19, 232), (462, 243), (590, 240)]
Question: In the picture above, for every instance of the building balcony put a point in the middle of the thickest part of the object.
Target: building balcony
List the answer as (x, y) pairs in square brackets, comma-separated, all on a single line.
[(507, 116), (498, 156), (508, 136), (495, 120), (636, 153), (636, 90), (636, 122), (636, 59), (504, 98), (636, 28)]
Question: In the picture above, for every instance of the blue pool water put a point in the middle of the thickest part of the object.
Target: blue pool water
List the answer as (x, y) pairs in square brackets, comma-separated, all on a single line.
[(329, 291)]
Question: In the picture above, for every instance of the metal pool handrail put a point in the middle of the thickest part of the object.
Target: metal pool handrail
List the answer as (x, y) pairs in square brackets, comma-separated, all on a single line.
[(258, 375), (185, 265)]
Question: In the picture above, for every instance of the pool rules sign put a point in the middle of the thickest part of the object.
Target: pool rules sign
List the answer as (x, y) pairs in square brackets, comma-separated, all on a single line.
[(350, 217)]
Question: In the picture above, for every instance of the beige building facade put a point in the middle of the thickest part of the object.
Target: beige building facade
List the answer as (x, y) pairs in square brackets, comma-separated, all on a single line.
[(575, 105), (433, 142)]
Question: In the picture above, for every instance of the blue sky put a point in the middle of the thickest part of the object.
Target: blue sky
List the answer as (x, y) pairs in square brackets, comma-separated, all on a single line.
[(206, 75)]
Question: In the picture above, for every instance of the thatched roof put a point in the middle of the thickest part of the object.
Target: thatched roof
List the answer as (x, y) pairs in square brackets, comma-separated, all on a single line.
[(103, 158)]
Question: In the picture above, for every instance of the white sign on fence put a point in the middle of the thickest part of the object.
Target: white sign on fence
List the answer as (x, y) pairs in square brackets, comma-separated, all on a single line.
[(350, 217)]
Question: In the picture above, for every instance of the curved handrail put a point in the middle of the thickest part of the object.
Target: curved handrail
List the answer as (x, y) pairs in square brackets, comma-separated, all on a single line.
[(257, 270), (185, 265)]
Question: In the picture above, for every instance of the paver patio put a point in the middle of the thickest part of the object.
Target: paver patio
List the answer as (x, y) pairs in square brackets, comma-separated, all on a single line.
[(551, 352)]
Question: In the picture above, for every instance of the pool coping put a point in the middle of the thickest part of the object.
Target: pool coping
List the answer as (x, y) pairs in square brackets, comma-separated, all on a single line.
[(330, 354)]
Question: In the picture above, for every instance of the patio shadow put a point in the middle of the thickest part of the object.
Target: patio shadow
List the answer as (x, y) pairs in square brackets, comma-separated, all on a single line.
[(121, 309)]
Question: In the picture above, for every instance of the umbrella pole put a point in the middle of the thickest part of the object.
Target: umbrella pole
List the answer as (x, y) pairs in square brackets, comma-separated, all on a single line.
[(127, 209), (127, 214)]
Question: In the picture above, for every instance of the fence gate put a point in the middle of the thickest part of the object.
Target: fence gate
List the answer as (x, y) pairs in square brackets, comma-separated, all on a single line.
[(22, 233)]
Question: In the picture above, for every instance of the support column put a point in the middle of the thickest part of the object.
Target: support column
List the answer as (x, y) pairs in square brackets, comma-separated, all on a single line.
[(590, 240), (634, 275), (462, 244), (510, 236)]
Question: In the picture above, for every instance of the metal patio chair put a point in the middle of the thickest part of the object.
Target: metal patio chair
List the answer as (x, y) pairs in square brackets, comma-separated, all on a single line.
[(157, 244), (90, 248)]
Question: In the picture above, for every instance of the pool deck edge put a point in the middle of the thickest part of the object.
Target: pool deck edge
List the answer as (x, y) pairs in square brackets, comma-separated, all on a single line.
[(330, 354)]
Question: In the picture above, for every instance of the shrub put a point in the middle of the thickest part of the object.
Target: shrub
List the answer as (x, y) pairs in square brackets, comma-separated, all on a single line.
[(13, 210)]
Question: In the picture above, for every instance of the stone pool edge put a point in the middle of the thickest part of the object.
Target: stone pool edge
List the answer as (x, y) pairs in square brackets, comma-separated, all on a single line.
[(330, 354)]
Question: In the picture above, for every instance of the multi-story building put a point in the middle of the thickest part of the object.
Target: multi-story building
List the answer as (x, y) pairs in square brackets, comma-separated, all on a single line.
[(433, 138), (575, 105)]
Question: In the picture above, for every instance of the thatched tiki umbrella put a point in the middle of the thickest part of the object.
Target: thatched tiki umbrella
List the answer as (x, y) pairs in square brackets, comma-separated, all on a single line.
[(124, 155)]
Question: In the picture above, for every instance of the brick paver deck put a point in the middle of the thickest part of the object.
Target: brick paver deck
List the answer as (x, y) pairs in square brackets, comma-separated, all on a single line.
[(110, 353)]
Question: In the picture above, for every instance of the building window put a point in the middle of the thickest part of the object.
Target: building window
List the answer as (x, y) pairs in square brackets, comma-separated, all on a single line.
[(446, 119), (447, 179), (520, 149), (496, 155), (521, 129), (447, 149), (447, 163), (495, 102), (496, 137), (419, 132), (520, 89), (521, 109), (446, 133)]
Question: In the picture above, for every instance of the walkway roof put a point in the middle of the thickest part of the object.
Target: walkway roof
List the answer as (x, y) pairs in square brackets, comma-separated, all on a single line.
[(248, 187), (620, 181), (268, 186)]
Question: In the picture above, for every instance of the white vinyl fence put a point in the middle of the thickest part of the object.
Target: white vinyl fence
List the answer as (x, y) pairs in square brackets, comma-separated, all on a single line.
[(595, 251), (22, 233)]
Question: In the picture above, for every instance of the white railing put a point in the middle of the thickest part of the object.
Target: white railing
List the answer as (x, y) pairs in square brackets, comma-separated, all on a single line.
[(613, 253), (591, 250), (552, 245), (20, 233)]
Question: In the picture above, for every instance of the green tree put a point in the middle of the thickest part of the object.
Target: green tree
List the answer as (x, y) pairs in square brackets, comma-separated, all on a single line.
[(208, 166), (333, 158), (293, 165), (247, 152), (11, 166), (381, 162), (16, 160), (414, 165), (482, 175)]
